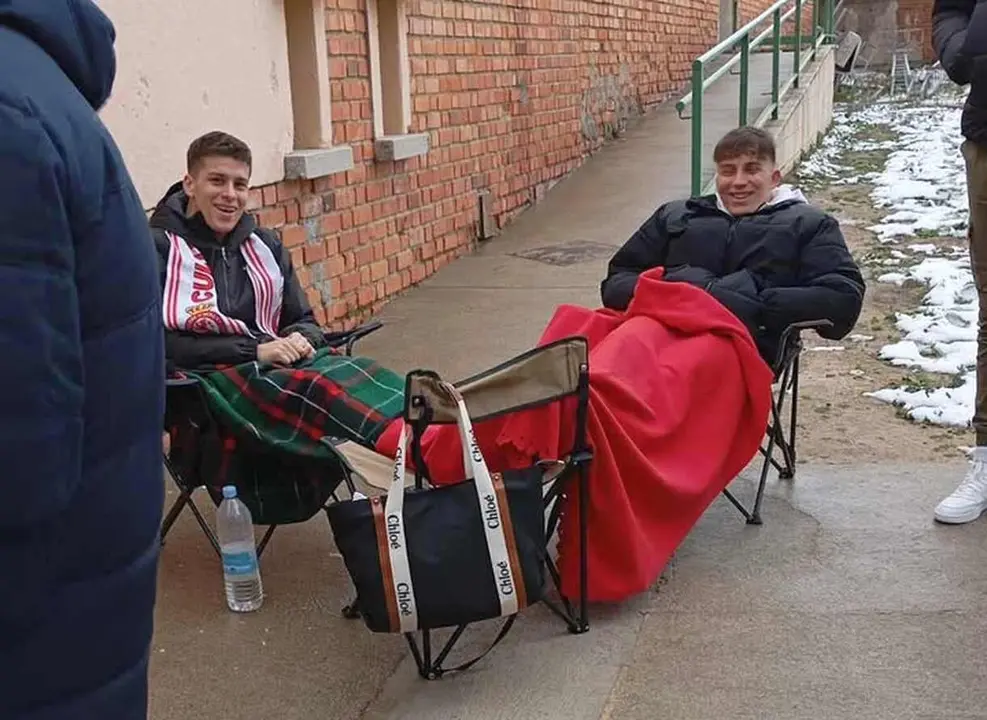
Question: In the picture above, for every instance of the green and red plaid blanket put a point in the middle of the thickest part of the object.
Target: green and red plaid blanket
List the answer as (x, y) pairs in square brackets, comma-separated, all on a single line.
[(293, 409)]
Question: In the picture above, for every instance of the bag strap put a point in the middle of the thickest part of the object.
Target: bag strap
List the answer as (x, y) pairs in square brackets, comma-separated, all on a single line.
[(394, 561), (505, 628), (494, 514)]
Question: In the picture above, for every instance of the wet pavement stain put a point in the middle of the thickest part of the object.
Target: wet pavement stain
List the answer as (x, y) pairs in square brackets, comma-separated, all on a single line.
[(571, 253)]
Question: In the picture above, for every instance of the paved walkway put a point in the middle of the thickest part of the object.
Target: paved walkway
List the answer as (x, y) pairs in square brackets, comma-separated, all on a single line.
[(848, 603)]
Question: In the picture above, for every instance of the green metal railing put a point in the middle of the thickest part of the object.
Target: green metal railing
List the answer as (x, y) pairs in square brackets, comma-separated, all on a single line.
[(804, 50)]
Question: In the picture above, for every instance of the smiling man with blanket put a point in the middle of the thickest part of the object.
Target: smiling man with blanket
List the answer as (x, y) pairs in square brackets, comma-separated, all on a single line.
[(237, 318), (680, 390)]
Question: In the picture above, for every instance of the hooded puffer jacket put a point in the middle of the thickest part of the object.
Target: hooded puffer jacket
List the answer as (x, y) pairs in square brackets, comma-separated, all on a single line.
[(81, 380), (786, 263)]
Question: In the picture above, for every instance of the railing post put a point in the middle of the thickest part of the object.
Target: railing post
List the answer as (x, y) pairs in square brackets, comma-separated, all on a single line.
[(817, 12), (697, 127), (798, 43), (745, 63), (775, 62)]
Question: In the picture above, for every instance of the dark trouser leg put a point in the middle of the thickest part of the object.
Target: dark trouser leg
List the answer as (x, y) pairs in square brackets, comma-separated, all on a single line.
[(976, 181)]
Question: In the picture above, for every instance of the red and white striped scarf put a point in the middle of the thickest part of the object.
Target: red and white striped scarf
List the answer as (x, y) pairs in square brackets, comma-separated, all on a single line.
[(190, 302)]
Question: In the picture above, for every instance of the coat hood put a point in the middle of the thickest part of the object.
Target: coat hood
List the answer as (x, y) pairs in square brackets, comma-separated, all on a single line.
[(75, 34), (783, 194)]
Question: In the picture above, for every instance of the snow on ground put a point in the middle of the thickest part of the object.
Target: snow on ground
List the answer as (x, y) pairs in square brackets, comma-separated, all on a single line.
[(922, 189)]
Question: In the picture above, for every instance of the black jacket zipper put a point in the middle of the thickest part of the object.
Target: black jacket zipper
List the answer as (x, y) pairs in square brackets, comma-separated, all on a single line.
[(226, 277)]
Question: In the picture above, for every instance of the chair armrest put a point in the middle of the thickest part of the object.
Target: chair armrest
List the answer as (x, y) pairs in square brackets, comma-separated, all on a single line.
[(347, 339), (177, 382), (791, 341)]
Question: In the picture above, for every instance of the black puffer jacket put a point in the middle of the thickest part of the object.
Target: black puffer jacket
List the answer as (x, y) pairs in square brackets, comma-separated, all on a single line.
[(786, 263), (235, 294), (959, 34)]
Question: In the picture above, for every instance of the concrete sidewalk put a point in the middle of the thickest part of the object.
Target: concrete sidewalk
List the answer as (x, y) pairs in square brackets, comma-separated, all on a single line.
[(847, 603)]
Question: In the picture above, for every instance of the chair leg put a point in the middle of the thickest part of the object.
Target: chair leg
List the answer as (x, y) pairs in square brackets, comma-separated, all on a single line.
[(176, 509), (573, 612), (185, 499), (754, 517), (210, 535), (740, 507), (791, 456), (264, 540), (352, 610), (583, 625)]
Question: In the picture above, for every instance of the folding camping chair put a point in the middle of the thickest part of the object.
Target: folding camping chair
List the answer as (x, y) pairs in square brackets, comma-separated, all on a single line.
[(555, 372), (778, 437), (186, 407)]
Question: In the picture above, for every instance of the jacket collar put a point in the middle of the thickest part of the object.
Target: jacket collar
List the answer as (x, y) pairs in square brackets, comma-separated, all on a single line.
[(783, 195)]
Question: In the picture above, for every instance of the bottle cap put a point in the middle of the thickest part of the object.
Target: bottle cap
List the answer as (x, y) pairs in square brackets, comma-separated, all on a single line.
[(229, 491)]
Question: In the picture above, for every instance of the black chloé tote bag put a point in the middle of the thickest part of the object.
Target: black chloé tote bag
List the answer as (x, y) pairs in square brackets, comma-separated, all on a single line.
[(449, 555)]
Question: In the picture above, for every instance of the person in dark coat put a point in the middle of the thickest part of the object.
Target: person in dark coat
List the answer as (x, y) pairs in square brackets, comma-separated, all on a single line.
[(756, 246), (81, 380), (243, 272), (959, 34)]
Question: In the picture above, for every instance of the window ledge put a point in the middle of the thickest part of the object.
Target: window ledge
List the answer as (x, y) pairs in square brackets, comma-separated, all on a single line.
[(389, 148), (316, 163)]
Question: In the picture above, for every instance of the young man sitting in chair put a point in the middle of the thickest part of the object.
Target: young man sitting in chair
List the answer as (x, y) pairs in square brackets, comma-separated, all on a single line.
[(237, 318), (230, 292), (756, 246)]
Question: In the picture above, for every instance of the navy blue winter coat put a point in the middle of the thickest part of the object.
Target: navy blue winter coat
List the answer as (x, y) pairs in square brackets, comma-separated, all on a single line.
[(959, 35), (81, 380)]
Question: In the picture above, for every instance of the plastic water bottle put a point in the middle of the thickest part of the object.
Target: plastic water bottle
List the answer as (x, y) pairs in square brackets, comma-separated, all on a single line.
[(241, 572)]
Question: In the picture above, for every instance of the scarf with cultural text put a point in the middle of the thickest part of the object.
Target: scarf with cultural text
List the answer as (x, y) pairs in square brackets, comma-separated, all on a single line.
[(190, 301)]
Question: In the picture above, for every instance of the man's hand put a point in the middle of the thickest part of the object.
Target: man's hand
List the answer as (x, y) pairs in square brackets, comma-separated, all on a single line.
[(278, 352), (303, 346)]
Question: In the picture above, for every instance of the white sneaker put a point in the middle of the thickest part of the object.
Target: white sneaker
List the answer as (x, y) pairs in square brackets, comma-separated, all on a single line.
[(969, 500)]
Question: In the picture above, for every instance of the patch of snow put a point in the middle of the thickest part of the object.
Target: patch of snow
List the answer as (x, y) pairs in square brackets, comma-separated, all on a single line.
[(922, 188), (827, 348), (894, 278), (940, 406)]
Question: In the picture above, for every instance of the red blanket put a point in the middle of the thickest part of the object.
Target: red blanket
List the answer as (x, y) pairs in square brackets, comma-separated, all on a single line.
[(679, 404)]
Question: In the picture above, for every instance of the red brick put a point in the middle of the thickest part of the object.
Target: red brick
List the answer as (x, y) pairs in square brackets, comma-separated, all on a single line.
[(273, 217), (288, 190), (365, 295), (335, 266), (293, 236), (349, 282), (291, 214), (315, 253), (378, 270)]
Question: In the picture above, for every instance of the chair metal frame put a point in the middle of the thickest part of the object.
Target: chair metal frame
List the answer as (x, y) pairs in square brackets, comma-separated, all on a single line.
[(781, 432), (188, 394)]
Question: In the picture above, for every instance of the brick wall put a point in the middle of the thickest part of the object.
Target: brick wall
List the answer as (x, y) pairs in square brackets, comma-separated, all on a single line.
[(513, 97), (888, 24), (915, 23)]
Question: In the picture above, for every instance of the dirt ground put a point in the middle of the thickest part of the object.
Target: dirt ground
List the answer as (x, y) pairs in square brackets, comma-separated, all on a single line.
[(838, 424)]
